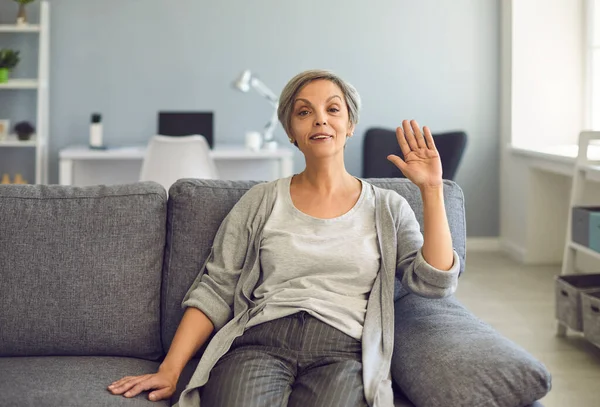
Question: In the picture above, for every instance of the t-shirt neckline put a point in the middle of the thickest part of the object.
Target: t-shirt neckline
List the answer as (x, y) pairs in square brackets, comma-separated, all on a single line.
[(299, 213)]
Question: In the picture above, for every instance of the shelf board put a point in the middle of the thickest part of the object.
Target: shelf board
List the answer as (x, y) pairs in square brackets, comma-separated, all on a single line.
[(20, 84), (592, 173), (586, 250), (13, 141), (14, 28)]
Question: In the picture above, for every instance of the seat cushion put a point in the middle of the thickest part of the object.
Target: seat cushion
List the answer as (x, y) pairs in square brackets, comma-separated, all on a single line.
[(70, 381), (81, 269), (400, 399), (445, 356)]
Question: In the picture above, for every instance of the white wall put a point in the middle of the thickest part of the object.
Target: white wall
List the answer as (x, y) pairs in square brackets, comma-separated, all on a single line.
[(431, 60), (542, 103), (547, 71)]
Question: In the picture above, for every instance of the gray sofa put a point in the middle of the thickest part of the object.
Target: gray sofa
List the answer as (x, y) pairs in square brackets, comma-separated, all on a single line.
[(91, 283)]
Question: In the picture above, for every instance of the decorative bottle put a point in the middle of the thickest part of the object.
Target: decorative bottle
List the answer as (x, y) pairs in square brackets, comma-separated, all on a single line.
[(96, 132)]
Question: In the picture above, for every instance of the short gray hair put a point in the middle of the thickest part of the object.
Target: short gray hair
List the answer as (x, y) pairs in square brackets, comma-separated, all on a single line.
[(289, 92)]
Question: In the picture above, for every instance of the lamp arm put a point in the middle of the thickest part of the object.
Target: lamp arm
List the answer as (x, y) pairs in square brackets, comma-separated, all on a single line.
[(270, 126), (263, 90)]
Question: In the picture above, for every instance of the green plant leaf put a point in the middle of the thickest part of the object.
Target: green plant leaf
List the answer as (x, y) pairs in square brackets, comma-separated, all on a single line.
[(9, 58)]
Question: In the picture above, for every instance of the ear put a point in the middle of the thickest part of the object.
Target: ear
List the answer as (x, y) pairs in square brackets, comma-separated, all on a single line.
[(351, 129)]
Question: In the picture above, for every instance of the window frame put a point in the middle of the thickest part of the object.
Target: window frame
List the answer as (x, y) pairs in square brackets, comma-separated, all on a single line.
[(591, 120)]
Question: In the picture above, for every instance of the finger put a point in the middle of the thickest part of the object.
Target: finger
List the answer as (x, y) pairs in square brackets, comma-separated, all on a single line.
[(410, 137), (404, 147), (397, 161), (418, 134), (115, 385), (160, 394), (143, 386), (124, 379), (126, 386), (429, 139)]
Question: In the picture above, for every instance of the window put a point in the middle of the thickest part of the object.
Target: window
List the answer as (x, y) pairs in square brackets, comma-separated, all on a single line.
[(594, 64)]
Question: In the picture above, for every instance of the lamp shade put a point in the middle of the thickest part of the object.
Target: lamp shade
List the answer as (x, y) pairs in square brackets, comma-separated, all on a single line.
[(243, 81)]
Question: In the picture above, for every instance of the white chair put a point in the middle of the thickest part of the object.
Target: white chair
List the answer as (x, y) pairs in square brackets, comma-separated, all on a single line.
[(169, 158)]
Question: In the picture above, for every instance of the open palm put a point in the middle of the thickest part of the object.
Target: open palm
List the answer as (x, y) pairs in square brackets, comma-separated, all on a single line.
[(421, 164)]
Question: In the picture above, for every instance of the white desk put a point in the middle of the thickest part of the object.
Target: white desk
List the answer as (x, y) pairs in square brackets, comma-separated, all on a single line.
[(80, 165), (536, 200)]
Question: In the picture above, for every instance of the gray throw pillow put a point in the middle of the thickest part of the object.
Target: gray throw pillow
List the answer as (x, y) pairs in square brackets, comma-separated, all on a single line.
[(445, 356)]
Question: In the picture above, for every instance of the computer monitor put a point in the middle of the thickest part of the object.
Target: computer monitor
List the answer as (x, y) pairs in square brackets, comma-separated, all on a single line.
[(186, 124)]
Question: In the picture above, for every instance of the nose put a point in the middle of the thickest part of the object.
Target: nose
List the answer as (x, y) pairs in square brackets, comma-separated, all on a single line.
[(320, 120)]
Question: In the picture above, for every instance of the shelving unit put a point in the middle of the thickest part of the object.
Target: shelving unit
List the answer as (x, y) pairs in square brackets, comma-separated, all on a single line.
[(582, 249), (12, 28), (40, 86), (586, 170), (20, 84), (13, 141)]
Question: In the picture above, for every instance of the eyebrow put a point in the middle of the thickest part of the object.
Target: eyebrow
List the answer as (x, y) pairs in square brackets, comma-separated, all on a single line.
[(308, 102)]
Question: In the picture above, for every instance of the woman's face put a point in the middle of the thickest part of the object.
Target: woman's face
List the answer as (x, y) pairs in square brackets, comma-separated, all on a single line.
[(320, 121)]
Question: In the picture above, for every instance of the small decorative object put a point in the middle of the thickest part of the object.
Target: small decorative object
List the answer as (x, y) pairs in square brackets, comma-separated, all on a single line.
[(271, 146), (253, 140), (19, 179), (246, 81), (22, 16), (8, 60), (96, 132), (4, 126), (5, 179), (24, 130)]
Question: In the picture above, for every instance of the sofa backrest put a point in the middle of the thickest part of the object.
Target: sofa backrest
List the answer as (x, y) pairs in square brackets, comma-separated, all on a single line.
[(80, 269), (197, 208)]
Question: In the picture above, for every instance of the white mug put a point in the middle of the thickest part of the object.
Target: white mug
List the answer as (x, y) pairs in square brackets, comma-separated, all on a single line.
[(270, 146), (253, 140)]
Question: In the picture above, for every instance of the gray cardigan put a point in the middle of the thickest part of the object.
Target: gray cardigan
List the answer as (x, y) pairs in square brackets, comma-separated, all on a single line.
[(223, 289)]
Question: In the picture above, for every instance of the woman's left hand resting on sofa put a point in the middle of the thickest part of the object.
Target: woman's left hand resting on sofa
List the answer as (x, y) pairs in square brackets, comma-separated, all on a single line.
[(193, 331), (422, 165)]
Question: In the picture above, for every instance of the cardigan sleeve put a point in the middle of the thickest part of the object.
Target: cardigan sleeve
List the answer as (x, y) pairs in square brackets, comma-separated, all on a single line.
[(212, 292), (418, 276)]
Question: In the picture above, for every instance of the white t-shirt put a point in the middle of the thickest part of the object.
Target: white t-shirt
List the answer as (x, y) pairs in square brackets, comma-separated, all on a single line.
[(323, 266)]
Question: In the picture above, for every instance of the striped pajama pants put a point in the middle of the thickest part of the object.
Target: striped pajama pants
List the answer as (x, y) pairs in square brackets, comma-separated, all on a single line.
[(295, 361)]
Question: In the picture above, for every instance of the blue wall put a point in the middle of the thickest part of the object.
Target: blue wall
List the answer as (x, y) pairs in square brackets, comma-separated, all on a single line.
[(436, 61)]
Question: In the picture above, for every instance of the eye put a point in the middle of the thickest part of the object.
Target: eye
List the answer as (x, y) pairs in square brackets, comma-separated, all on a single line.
[(334, 109), (303, 112)]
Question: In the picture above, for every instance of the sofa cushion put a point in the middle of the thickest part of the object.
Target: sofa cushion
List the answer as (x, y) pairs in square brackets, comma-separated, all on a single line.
[(80, 269), (445, 356), (70, 381), (197, 208)]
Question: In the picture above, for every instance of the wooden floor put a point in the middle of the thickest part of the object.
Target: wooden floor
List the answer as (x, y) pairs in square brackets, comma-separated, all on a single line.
[(518, 301)]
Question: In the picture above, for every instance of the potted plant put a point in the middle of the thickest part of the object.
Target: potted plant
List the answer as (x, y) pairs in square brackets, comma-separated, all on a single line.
[(8, 60), (24, 130), (22, 16)]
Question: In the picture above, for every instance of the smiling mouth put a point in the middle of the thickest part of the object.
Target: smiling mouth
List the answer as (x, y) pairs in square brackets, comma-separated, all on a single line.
[(320, 137)]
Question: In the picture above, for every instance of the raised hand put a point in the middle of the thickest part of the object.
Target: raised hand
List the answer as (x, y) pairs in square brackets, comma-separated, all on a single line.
[(421, 164)]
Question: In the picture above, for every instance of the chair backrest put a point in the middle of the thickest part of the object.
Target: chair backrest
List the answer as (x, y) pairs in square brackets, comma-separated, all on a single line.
[(379, 143), (168, 159)]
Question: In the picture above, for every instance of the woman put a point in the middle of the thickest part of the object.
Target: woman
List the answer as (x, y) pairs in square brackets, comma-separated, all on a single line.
[(299, 284)]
